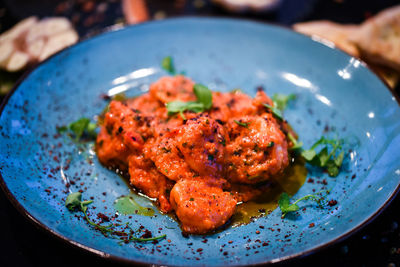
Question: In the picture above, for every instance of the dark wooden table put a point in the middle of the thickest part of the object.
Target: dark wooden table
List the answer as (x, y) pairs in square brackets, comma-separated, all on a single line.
[(22, 244)]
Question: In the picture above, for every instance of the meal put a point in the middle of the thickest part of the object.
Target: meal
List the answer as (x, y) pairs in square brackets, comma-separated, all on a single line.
[(199, 153)]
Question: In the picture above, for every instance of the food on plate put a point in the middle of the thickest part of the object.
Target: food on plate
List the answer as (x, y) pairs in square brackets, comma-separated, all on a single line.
[(32, 41), (199, 153), (379, 38), (337, 33), (377, 41)]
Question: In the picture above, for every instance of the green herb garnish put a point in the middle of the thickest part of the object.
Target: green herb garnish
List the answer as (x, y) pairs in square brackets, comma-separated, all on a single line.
[(80, 128), (204, 102), (203, 95), (286, 207), (296, 144), (168, 64), (243, 124), (281, 100), (74, 202), (325, 159), (276, 112)]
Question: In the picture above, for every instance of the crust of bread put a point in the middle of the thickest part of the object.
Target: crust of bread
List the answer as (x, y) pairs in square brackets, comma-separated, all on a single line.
[(379, 38), (334, 32)]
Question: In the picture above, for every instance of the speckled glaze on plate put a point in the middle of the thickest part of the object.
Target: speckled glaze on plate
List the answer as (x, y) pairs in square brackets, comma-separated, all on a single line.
[(336, 93)]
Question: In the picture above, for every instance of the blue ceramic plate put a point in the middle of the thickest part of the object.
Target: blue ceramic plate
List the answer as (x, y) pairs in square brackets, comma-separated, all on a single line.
[(336, 93)]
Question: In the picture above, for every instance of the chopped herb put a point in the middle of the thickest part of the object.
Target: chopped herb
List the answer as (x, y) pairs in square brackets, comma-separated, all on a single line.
[(203, 95), (325, 159), (74, 202), (270, 144), (204, 102), (286, 207), (210, 157), (191, 199), (296, 145), (281, 100), (80, 128), (168, 64), (243, 124), (276, 112)]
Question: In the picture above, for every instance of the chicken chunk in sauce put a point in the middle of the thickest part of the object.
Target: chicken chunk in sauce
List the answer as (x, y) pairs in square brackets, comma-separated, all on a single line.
[(199, 167)]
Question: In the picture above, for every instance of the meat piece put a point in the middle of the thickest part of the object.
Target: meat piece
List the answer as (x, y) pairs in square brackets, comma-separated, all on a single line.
[(202, 143), (229, 105), (257, 149), (145, 177), (201, 207), (169, 89), (167, 158)]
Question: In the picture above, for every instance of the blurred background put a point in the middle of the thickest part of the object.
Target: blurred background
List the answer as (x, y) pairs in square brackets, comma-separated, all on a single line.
[(42, 33)]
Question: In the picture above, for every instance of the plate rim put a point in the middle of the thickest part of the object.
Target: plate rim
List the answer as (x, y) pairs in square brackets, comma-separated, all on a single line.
[(110, 257)]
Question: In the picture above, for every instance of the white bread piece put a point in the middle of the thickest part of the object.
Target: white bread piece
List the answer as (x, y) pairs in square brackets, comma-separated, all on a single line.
[(35, 48), (58, 42), (337, 33), (6, 50), (17, 61), (19, 29), (48, 27), (379, 38)]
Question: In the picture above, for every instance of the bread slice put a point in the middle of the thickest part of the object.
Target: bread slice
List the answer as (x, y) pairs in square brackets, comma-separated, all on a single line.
[(379, 38), (336, 33)]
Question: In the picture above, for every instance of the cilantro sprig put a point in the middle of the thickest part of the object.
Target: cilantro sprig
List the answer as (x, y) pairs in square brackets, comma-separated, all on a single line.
[(168, 64), (204, 102), (74, 202), (286, 207), (281, 100), (243, 124), (79, 129), (275, 111), (331, 161)]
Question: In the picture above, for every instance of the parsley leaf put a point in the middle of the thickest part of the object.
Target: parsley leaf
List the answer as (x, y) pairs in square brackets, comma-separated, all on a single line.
[(168, 64), (74, 202), (243, 124), (79, 128), (325, 159), (296, 144), (282, 100), (286, 207), (276, 112), (204, 102), (203, 95)]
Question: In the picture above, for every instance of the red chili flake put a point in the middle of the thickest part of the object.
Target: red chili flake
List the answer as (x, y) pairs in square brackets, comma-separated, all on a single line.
[(354, 176), (103, 217), (332, 202), (169, 240), (324, 182), (257, 232), (265, 244), (225, 253), (311, 225), (148, 234), (230, 241), (310, 180), (199, 250)]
